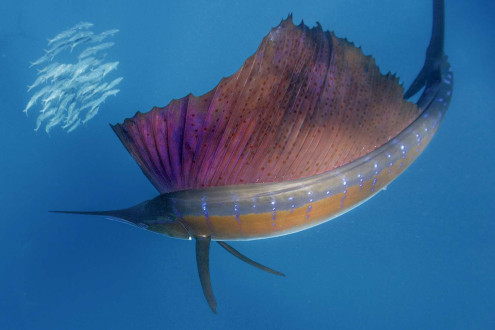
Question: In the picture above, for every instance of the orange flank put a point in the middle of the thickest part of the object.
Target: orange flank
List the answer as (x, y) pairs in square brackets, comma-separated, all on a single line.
[(282, 222)]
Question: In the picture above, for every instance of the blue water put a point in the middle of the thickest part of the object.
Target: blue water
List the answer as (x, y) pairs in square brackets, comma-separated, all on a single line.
[(420, 255)]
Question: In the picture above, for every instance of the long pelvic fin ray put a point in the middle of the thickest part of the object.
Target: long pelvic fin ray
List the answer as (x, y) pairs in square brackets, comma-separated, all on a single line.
[(248, 260)]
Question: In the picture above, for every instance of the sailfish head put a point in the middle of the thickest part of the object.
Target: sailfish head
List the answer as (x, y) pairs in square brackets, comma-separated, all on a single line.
[(153, 215)]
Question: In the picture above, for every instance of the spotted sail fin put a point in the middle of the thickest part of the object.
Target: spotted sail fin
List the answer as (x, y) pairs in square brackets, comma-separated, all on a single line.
[(305, 94)]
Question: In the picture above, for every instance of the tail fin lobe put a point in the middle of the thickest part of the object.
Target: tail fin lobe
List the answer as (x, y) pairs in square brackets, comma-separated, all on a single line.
[(435, 57)]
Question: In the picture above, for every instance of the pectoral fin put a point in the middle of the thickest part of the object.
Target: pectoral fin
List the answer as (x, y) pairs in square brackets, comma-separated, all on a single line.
[(203, 261)]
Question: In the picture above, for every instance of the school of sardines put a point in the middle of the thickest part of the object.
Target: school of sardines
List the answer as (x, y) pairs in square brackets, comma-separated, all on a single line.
[(70, 94)]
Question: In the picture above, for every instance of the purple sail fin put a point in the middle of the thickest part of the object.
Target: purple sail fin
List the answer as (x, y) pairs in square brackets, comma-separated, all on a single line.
[(305, 103)]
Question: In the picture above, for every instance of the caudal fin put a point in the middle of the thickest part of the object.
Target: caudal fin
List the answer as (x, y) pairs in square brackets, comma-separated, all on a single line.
[(435, 57)]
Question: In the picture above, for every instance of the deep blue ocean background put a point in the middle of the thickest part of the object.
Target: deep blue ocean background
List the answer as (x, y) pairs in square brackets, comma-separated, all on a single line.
[(420, 255)]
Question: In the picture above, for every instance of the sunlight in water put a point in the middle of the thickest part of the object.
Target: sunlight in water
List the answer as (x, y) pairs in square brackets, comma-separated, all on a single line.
[(70, 94)]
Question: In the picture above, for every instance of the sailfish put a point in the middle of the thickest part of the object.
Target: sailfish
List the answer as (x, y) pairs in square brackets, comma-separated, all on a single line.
[(306, 130)]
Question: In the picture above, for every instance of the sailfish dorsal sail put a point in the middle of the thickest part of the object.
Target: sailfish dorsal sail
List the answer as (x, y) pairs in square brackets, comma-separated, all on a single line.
[(305, 103)]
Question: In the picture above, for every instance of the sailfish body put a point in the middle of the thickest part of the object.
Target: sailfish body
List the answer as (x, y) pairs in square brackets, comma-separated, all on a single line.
[(306, 130)]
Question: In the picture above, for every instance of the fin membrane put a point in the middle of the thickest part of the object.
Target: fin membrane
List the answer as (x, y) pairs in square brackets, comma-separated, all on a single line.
[(247, 260), (304, 95)]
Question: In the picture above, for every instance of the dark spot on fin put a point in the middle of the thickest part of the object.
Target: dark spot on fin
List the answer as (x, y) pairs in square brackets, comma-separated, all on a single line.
[(247, 260), (203, 260), (430, 73)]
